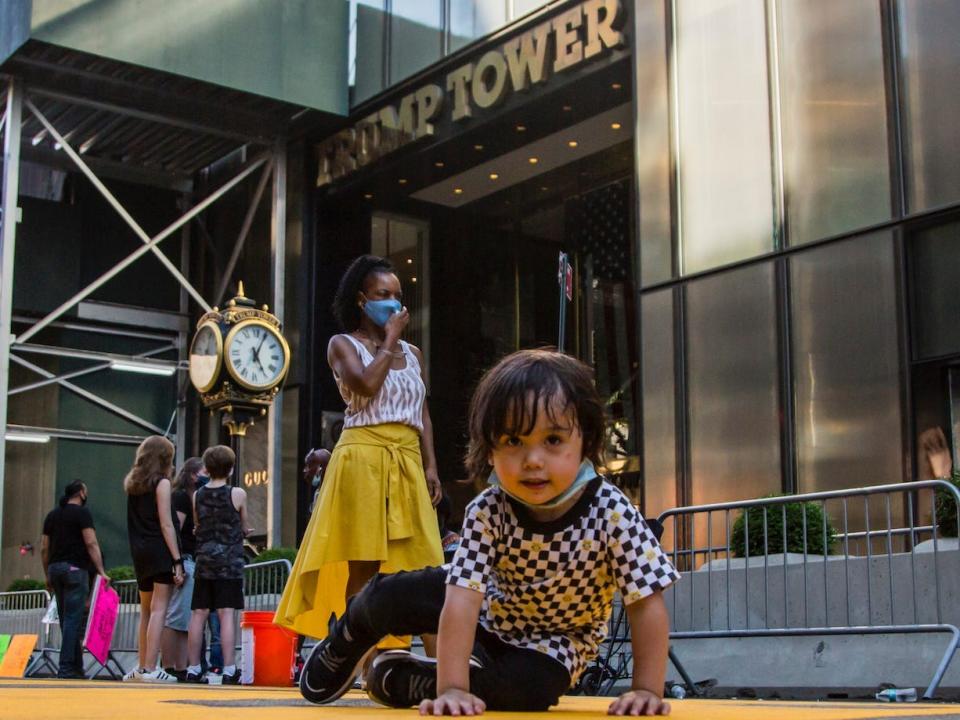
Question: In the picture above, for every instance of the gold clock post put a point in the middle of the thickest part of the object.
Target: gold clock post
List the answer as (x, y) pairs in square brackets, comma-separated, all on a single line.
[(238, 362)]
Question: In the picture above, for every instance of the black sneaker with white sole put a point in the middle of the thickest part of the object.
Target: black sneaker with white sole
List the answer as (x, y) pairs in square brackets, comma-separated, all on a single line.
[(333, 664), (400, 679)]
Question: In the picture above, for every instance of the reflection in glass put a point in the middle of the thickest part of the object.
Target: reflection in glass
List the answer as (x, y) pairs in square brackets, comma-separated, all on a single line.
[(726, 199), (405, 242), (367, 25), (659, 412), (653, 143), (930, 71), (416, 36), (935, 270), (522, 7), (471, 19), (732, 368), (835, 161), (846, 365)]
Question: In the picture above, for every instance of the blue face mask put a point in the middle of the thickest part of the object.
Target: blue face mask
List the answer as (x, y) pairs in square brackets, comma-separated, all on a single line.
[(202, 480), (380, 310), (316, 480), (585, 474)]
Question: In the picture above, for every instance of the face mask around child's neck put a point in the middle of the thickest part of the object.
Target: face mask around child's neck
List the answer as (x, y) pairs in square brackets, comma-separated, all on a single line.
[(585, 474)]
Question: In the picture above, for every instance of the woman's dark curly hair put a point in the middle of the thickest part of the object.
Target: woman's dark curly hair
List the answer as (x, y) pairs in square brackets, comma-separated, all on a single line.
[(522, 385), (345, 308)]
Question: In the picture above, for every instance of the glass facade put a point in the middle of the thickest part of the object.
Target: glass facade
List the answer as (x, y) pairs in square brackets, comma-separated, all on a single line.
[(723, 128), (929, 72), (790, 238), (836, 166), (390, 40), (732, 386), (846, 364)]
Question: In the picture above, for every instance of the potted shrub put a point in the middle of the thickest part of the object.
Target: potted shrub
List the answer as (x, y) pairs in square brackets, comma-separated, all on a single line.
[(752, 520), (945, 506)]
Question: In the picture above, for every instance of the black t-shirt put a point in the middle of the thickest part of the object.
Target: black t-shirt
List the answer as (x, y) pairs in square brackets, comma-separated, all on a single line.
[(64, 526), (181, 503)]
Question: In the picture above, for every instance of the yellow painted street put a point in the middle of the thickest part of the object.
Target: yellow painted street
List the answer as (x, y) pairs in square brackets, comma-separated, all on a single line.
[(84, 700)]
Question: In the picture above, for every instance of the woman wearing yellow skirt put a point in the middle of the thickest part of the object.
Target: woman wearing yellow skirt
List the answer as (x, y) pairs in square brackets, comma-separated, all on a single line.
[(374, 512)]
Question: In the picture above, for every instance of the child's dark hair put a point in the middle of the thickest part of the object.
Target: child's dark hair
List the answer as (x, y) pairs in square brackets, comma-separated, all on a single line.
[(512, 393), (219, 461), (345, 308)]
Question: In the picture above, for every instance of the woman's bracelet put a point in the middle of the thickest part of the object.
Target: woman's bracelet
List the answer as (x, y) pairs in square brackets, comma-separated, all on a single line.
[(394, 353), (178, 561)]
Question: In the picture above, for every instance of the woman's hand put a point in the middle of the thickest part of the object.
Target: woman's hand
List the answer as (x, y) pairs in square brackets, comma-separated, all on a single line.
[(453, 702), (433, 486), (395, 326), (178, 577), (639, 702)]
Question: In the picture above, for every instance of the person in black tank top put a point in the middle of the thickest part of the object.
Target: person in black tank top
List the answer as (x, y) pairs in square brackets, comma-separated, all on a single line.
[(155, 548), (220, 519)]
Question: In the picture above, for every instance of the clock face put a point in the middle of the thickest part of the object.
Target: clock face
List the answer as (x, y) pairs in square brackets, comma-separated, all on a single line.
[(205, 352), (257, 356)]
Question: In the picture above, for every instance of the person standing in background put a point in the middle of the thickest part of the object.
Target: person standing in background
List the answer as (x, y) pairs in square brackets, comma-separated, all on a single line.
[(155, 550), (174, 639), (68, 550)]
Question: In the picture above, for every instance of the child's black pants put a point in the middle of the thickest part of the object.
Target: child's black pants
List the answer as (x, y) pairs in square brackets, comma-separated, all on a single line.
[(409, 603)]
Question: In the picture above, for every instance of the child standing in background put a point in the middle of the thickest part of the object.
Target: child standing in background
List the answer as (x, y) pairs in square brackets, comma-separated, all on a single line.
[(220, 520)]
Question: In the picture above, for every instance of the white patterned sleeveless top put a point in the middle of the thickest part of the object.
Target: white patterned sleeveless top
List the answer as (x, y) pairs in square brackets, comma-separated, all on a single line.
[(399, 399)]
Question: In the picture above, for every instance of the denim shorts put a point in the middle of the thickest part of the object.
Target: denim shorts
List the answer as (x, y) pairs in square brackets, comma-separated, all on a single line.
[(178, 610)]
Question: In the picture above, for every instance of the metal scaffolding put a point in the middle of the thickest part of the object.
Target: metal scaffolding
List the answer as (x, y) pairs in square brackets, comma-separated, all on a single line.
[(100, 136)]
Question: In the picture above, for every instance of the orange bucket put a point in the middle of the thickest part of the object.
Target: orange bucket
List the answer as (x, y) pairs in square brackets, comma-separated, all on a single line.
[(268, 650)]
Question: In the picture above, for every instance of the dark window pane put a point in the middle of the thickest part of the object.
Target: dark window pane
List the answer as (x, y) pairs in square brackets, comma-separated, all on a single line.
[(846, 365), (935, 266), (726, 197), (653, 144), (659, 430), (472, 19), (930, 71), (415, 36), (835, 160), (732, 385)]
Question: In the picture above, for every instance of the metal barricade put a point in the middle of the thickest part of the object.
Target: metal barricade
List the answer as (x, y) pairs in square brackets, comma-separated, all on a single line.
[(886, 575), (21, 613), (771, 593)]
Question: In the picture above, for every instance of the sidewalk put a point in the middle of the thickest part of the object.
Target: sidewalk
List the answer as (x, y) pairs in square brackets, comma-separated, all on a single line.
[(87, 700)]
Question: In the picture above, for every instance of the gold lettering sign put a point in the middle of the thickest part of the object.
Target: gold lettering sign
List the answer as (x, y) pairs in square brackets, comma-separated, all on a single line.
[(252, 478), (574, 36)]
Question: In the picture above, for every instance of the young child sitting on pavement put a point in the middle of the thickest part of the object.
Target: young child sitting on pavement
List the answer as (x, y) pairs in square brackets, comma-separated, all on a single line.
[(525, 603)]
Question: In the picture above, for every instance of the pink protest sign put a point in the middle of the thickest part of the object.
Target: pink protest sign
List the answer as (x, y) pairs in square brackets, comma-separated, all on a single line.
[(104, 606)]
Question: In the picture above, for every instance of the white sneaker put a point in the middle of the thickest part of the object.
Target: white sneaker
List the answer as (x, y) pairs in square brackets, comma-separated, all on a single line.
[(157, 675), (133, 675)]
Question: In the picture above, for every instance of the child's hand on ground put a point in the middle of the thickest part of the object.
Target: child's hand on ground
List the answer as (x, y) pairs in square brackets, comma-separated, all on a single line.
[(639, 702), (453, 702)]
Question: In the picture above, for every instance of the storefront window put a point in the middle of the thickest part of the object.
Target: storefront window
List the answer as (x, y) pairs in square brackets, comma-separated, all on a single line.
[(659, 412), (472, 19), (732, 385), (416, 36), (846, 365), (726, 199), (835, 160), (930, 70), (935, 271)]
